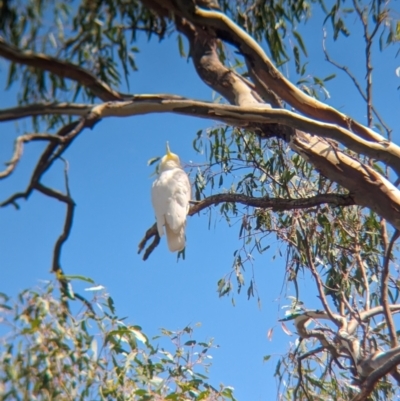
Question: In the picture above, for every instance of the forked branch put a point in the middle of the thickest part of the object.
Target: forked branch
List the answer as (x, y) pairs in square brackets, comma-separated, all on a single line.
[(19, 146)]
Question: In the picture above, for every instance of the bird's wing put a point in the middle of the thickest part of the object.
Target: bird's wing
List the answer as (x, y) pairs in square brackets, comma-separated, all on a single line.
[(178, 200), (159, 201)]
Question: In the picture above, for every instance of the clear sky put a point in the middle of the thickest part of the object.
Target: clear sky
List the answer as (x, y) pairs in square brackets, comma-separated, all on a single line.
[(110, 183)]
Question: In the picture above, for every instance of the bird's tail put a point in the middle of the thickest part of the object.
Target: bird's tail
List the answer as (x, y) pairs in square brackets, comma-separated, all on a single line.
[(176, 240)]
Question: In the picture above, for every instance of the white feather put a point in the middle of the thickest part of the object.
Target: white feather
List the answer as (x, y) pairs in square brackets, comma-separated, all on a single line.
[(170, 196)]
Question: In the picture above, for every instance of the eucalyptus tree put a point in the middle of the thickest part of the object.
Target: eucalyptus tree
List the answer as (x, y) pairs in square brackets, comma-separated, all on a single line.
[(320, 182)]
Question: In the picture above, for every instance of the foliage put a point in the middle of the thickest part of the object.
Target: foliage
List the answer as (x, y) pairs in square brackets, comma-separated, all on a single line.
[(347, 250), (94, 35), (51, 353)]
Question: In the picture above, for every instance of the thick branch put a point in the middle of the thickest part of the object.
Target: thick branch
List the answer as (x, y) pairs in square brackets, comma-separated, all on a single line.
[(246, 116), (263, 71), (359, 179), (255, 115), (42, 109), (63, 69), (371, 381)]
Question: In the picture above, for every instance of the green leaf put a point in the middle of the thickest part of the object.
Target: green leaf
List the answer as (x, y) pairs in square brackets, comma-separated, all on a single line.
[(141, 392), (300, 42), (110, 303), (296, 58), (181, 46), (329, 77), (153, 160), (76, 277)]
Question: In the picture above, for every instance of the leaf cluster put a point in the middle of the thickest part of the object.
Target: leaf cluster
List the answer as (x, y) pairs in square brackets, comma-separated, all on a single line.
[(342, 247), (49, 352), (98, 36)]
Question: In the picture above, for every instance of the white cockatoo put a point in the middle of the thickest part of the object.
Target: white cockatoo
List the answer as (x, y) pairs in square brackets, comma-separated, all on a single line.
[(170, 195)]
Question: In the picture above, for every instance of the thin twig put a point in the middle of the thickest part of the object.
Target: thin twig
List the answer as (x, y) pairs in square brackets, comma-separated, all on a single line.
[(19, 147), (67, 224), (317, 278), (357, 85), (300, 373), (364, 275), (368, 37), (385, 288), (13, 198)]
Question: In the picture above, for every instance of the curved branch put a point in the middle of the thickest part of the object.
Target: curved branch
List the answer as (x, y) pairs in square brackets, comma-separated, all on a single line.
[(366, 315), (361, 180), (53, 151), (18, 149), (152, 232), (265, 74), (246, 116), (63, 69), (69, 217)]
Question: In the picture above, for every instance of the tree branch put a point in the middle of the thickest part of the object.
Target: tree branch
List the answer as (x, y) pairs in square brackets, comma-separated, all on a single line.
[(385, 289), (275, 204), (245, 116), (360, 179), (357, 85), (19, 146), (42, 109), (263, 71), (53, 151), (60, 68), (371, 381), (368, 314), (338, 320)]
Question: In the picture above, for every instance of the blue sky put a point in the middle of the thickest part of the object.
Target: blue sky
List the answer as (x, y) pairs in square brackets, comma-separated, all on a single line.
[(110, 183)]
